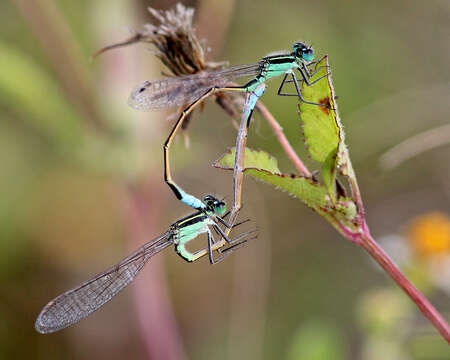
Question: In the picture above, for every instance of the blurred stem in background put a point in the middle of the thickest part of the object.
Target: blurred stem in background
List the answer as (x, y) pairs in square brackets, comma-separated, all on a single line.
[(414, 146), (153, 308), (47, 24)]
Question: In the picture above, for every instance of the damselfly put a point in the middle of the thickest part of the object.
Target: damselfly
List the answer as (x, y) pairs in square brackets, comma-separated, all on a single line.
[(193, 89), (78, 303)]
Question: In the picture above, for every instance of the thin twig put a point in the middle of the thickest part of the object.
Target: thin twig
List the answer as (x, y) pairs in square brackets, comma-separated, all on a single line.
[(154, 312), (415, 145), (372, 247)]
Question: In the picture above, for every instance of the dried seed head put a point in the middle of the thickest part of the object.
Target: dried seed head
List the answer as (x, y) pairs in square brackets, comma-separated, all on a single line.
[(177, 46), (174, 38)]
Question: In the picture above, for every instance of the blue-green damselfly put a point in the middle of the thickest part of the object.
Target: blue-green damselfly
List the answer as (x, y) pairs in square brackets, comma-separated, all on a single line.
[(193, 89), (241, 142), (78, 303)]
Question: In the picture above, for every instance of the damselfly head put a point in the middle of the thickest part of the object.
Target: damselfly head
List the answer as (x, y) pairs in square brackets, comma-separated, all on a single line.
[(303, 51), (215, 205)]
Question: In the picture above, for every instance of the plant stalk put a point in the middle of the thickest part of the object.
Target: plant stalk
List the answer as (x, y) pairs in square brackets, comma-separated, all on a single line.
[(378, 254)]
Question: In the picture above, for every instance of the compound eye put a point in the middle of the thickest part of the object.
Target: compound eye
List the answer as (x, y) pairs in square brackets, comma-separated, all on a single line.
[(308, 54), (220, 208)]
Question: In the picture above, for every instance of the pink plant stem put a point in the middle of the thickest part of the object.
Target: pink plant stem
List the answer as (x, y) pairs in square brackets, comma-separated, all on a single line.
[(278, 130), (50, 28), (365, 239), (372, 247), (155, 315)]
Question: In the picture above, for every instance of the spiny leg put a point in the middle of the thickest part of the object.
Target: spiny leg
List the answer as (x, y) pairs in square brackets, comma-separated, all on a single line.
[(294, 79), (308, 72), (229, 226), (221, 233), (316, 71), (227, 251), (238, 242), (310, 75), (210, 251), (279, 93), (300, 94), (305, 68), (224, 223), (223, 217), (305, 78), (235, 244), (213, 245)]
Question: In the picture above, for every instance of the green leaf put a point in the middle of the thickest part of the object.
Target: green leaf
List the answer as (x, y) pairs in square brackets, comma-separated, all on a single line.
[(323, 130), (253, 159), (264, 167), (345, 210), (329, 174), (320, 128)]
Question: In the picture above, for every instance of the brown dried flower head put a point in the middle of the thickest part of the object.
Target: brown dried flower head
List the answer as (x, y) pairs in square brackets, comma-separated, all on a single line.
[(175, 41)]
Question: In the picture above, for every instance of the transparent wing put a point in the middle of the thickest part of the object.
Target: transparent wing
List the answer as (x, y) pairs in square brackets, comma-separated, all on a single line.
[(76, 304), (177, 91)]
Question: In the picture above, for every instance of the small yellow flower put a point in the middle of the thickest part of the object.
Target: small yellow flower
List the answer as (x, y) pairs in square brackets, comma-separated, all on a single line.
[(429, 235)]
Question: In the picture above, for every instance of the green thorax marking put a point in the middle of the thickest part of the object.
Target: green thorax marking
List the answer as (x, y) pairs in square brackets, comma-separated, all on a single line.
[(188, 229), (190, 219), (273, 66)]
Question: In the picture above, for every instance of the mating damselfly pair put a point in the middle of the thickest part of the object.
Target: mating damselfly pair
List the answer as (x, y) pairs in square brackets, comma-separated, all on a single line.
[(78, 303)]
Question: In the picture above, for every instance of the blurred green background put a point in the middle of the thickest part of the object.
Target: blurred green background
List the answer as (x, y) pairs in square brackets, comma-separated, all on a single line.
[(81, 185)]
